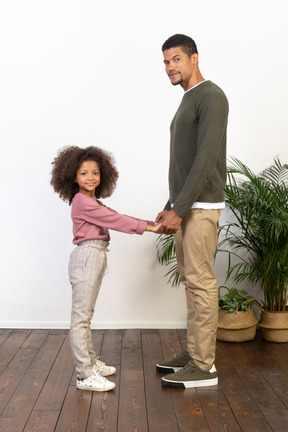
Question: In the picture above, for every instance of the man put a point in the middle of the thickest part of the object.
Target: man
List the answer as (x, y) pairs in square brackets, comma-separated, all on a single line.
[(197, 178)]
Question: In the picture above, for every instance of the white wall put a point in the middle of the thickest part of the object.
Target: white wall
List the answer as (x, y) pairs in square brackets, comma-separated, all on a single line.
[(91, 73)]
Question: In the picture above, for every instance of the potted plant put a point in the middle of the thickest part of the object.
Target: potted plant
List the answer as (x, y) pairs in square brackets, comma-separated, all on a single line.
[(257, 236), (236, 319)]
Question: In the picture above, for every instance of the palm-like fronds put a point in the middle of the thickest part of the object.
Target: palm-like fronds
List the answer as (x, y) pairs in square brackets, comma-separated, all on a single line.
[(166, 255), (258, 233)]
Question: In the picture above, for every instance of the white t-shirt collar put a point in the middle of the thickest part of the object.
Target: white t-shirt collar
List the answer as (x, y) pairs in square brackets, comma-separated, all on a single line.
[(195, 86)]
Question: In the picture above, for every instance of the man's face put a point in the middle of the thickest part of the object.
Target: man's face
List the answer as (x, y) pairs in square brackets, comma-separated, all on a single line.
[(179, 66)]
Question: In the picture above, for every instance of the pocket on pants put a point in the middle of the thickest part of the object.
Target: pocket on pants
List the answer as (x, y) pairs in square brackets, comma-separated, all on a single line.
[(78, 260)]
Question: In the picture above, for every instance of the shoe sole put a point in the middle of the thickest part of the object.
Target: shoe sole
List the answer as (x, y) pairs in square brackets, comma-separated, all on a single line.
[(190, 384), (95, 389), (167, 369)]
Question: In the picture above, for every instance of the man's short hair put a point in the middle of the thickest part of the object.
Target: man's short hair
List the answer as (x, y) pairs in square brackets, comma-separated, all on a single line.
[(186, 43)]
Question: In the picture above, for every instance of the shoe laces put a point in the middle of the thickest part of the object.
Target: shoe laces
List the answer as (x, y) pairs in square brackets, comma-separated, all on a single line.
[(182, 354), (99, 365), (98, 378), (188, 367)]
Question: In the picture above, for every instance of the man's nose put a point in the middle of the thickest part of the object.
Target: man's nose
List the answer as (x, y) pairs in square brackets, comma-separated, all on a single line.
[(171, 66)]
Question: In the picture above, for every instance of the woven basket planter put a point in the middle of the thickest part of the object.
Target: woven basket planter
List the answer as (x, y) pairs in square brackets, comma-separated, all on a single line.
[(236, 326), (274, 326)]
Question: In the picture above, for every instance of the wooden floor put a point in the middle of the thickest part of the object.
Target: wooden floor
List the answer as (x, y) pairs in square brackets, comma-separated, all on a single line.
[(38, 393)]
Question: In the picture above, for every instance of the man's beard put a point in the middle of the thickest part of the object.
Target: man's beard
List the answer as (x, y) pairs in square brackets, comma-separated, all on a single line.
[(179, 81)]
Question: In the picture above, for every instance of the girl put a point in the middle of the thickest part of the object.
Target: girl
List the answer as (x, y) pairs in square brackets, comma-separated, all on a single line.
[(82, 176)]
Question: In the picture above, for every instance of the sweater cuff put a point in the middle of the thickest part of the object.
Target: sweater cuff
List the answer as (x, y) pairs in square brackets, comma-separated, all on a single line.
[(141, 227)]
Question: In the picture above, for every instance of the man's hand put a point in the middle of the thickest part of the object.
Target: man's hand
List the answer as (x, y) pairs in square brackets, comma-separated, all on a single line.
[(161, 216), (170, 221)]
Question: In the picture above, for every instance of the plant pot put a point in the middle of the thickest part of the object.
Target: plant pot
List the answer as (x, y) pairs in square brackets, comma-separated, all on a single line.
[(236, 326), (274, 326)]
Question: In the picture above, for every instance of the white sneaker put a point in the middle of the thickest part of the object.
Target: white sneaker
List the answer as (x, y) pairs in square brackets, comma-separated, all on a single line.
[(102, 369), (95, 383)]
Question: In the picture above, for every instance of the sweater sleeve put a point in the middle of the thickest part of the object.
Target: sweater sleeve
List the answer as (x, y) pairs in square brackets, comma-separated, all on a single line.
[(167, 206), (213, 112), (96, 213)]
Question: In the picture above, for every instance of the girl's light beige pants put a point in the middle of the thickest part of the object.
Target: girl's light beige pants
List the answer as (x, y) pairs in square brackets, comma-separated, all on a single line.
[(87, 266)]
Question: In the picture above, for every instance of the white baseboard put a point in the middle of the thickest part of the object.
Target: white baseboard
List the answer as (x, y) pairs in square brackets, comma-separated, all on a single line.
[(95, 325)]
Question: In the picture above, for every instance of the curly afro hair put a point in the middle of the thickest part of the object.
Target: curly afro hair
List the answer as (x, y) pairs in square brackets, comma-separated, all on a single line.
[(69, 160)]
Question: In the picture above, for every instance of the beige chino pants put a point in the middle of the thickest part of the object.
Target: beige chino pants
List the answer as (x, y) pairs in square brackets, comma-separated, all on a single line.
[(196, 242)]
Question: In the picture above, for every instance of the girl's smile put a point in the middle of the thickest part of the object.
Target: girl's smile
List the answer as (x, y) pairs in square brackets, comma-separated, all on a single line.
[(88, 178)]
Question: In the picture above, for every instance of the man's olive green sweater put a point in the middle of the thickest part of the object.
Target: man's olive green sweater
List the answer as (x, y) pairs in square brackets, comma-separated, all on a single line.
[(197, 169)]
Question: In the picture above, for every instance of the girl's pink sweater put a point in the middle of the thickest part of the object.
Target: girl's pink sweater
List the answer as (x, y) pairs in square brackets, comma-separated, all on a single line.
[(92, 220)]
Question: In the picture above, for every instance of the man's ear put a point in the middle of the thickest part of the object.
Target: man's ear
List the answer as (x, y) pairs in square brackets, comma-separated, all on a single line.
[(194, 58)]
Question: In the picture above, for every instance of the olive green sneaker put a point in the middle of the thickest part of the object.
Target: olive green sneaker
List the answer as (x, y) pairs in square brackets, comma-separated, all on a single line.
[(191, 376), (175, 364)]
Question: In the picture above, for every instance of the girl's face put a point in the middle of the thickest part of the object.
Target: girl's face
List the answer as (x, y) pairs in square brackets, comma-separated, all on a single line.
[(88, 178)]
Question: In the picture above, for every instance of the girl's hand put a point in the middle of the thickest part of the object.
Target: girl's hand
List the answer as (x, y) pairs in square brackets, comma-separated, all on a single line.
[(154, 228)]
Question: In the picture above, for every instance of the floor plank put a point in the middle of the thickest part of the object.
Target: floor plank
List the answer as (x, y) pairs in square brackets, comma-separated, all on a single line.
[(35, 339), (13, 374), (42, 421), (132, 403), (38, 385), (266, 399), (53, 393), (103, 415), (111, 347), (217, 412), (131, 339), (170, 343), (160, 409), (243, 406), (74, 413), (188, 408), (23, 400), (4, 333), (104, 412), (12, 344)]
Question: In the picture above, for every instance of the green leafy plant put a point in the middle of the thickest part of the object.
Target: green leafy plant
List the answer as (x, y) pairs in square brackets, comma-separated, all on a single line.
[(235, 300), (166, 255), (257, 236)]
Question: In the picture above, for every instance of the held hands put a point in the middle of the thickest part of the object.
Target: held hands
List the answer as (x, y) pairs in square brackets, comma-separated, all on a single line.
[(160, 216), (170, 222), (156, 228), (167, 222)]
